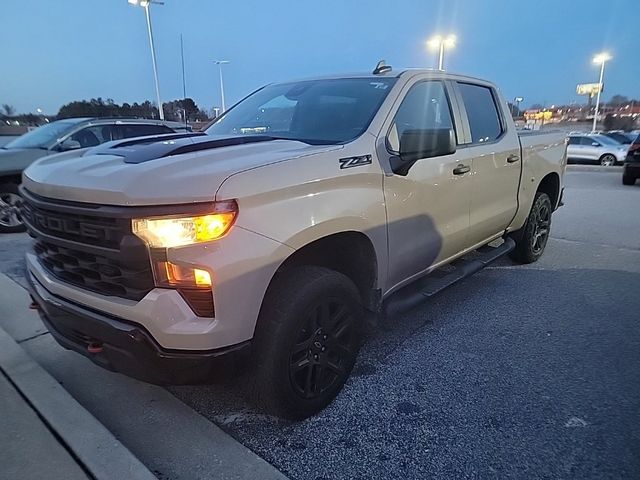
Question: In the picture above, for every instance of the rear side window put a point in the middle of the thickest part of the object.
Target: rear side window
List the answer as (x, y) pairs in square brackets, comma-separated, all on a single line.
[(482, 111), (574, 140), (129, 131)]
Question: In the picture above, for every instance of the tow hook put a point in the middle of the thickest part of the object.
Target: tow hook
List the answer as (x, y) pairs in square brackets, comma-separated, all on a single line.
[(94, 347)]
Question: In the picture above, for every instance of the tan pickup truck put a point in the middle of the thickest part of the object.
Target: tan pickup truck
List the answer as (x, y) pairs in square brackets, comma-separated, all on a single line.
[(303, 211)]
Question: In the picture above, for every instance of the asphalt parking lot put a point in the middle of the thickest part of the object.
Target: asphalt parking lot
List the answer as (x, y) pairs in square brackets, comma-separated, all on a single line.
[(516, 372)]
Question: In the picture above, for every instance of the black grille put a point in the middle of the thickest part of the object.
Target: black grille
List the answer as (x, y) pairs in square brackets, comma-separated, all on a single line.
[(88, 246), (96, 273), (91, 230)]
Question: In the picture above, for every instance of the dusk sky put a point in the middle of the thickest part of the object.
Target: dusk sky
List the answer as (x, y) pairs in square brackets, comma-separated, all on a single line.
[(57, 51)]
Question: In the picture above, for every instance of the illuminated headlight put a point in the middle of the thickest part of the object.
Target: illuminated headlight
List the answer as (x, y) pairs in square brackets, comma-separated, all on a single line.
[(167, 232)]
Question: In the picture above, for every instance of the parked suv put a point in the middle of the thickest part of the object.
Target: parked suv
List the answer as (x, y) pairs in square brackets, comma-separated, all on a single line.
[(596, 148), (62, 136), (631, 170)]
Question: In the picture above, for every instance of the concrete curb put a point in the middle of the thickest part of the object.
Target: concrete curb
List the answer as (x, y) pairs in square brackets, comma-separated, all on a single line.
[(91, 443)]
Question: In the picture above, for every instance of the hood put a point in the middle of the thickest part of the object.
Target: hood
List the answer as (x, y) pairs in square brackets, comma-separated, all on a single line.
[(14, 160), (156, 175)]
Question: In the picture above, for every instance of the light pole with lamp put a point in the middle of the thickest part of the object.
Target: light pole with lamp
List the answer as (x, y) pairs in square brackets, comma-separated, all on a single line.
[(145, 4), (601, 59), (220, 63), (518, 101), (439, 43)]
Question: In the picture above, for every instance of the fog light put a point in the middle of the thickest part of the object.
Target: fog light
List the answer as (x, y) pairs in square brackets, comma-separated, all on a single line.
[(203, 278), (170, 275)]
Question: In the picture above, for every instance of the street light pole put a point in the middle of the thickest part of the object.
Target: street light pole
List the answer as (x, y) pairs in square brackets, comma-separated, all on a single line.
[(440, 43), (601, 58), (517, 101), (145, 4), (220, 63)]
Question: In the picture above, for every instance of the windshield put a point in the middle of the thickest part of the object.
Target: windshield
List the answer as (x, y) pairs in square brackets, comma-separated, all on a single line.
[(315, 111), (42, 136), (607, 140)]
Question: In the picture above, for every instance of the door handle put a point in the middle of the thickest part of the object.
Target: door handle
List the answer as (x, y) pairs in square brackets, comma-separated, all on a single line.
[(461, 169), (513, 158)]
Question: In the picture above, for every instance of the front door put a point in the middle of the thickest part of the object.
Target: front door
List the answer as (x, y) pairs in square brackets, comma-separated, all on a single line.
[(591, 148), (428, 209)]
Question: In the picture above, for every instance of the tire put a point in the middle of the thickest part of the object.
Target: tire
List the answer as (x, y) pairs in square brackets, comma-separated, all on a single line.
[(10, 220), (608, 160), (532, 239), (628, 180), (306, 342)]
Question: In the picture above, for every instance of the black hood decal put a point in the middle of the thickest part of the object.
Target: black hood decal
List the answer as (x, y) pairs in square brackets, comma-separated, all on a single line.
[(152, 148)]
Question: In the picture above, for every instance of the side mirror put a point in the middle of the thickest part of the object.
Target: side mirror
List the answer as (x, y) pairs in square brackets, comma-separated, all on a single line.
[(423, 143), (69, 144), (595, 144)]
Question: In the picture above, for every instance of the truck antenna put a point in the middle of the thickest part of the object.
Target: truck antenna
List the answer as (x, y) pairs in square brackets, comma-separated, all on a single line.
[(381, 67)]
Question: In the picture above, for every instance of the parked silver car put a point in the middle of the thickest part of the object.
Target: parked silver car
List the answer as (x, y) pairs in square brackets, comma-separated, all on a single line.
[(596, 148), (61, 136)]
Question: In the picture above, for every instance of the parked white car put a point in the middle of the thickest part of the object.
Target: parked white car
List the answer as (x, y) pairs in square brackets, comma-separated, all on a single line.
[(596, 148)]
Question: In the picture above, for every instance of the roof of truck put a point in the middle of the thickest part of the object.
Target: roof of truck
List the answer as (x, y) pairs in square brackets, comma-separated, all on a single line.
[(393, 73)]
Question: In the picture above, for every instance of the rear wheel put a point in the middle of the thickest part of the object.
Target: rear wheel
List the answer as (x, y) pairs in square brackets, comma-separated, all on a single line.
[(306, 342), (607, 160), (532, 239), (10, 200), (628, 180)]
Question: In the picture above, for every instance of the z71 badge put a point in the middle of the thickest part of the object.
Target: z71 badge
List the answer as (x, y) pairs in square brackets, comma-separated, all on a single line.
[(350, 162)]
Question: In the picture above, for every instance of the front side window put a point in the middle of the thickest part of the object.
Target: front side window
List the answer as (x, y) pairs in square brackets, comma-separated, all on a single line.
[(590, 142), (328, 111), (482, 112), (425, 107), (90, 136)]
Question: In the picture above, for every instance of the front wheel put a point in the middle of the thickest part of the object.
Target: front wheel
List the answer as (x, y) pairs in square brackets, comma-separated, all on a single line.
[(10, 200), (532, 239), (308, 336), (607, 160)]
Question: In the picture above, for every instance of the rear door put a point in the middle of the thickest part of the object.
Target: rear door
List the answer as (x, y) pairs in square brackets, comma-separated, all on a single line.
[(575, 147), (496, 161)]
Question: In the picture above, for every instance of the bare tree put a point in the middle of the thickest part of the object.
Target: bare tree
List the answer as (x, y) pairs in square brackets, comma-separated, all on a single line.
[(9, 111)]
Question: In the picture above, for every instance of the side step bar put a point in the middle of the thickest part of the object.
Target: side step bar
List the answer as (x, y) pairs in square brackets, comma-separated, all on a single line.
[(414, 294)]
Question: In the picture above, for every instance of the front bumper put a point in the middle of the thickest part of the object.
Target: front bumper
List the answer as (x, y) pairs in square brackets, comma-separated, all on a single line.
[(128, 348)]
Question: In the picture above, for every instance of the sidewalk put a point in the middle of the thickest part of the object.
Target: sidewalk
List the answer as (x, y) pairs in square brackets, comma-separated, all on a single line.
[(29, 449), (46, 433)]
